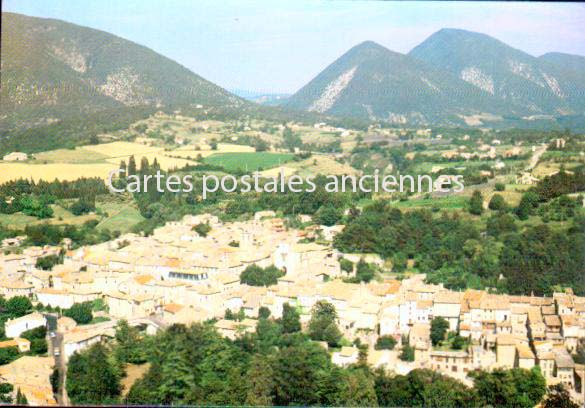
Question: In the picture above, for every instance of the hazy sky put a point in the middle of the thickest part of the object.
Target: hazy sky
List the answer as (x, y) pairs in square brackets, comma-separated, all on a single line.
[(278, 46)]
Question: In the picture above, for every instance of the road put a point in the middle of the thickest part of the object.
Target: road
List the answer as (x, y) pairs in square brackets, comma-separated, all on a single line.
[(536, 157)]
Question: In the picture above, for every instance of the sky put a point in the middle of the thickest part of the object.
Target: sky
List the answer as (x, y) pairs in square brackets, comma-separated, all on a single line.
[(277, 46)]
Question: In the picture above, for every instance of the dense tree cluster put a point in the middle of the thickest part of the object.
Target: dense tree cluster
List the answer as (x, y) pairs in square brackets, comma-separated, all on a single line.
[(80, 312), (274, 365), (456, 252), (255, 275)]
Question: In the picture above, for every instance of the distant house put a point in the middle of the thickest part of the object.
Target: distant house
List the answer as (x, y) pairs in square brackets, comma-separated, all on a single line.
[(15, 156), (345, 357), (22, 344), (526, 178), (15, 327)]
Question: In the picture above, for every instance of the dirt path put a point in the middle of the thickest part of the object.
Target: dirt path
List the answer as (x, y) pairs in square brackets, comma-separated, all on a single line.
[(536, 157)]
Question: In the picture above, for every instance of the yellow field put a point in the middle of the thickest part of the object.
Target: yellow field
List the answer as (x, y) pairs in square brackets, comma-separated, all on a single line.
[(188, 151), (165, 162), (122, 149), (77, 155), (321, 165), (275, 172), (52, 171)]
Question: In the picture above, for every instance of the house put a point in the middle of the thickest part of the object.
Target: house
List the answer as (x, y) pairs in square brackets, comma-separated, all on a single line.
[(23, 345), (32, 376), (526, 178), (526, 358), (124, 306), (14, 288), (505, 351), (65, 324), (513, 152), (447, 305), (346, 356), (15, 327), (564, 367), (79, 339), (233, 328), (15, 156), (454, 363)]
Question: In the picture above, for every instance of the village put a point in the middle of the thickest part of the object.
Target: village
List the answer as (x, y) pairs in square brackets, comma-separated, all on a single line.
[(179, 275)]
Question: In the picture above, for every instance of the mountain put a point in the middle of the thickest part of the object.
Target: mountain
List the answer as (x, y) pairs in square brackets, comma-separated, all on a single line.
[(570, 62), (453, 77), (53, 70), (540, 85), (371, 81)]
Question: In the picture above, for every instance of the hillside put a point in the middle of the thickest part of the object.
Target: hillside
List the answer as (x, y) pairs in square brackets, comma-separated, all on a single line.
[(372, 81), (537, 84), (453, 77), (53, 70)]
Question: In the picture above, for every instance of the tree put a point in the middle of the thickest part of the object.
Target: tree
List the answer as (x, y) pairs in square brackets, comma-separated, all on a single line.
[(144, 166), (528, 203), (407, 351), (260, 381), (92, 378), (509, 388), (84, 205), (498, 224), (254, 275), (38, 340), (458, 343), (177, 379), (123, 168), (46, 263), (439, 327), (21, 398), (80, 312), (299, 371), (8, 355), (476, 203), (322, 325), (497, 203), (202, 229), (385, 343), (500, 187), (291, 320), (128, 345), (346, 265), (356, 388), (131, 169), (558, 397), (328, 215), (5, 393), (365, 272), (18, 306), (263, 312)]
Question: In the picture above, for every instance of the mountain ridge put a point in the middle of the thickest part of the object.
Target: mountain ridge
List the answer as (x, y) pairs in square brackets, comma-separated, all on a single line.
[(53, 69), (455, 76)]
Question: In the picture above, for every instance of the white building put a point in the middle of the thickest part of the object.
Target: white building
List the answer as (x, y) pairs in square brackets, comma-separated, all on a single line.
[(15, 327)]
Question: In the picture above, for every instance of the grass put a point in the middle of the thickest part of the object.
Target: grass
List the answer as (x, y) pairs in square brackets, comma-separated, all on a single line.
[(122, 217), (450, 202), (60, 216), (248, 161)]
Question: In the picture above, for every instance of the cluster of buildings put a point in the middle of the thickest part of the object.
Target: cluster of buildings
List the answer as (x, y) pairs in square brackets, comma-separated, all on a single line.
[(176, 275)]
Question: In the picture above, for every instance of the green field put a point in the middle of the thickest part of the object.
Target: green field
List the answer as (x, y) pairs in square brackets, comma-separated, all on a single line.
[(450, 202), (121, 217), (248, 162)]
